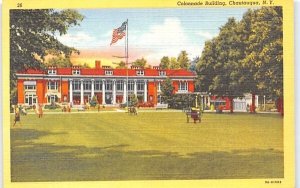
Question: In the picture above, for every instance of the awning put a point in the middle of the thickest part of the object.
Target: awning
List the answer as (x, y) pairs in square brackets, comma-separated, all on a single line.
[(30, 83)]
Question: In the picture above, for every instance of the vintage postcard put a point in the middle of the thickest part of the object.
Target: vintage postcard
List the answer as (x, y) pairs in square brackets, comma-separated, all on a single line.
[(148, 94)]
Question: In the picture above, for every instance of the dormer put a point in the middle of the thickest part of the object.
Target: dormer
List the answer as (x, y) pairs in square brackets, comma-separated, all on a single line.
[(52, 70), (136, 67), (106, 67), (156, 67), (162, 73), (108, 72), (140, 72), (76, 70)]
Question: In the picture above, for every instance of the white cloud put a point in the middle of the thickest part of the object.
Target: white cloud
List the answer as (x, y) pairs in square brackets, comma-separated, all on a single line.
[(205, 34), (166, 39), (78, 40)]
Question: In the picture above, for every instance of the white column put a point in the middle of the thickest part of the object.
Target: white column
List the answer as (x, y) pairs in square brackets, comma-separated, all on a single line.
[(103, 91), (114, 92), (125, 91), (81, 92), (145, 91), (93, 88), (187, 86), (71, 91), (135, 88)]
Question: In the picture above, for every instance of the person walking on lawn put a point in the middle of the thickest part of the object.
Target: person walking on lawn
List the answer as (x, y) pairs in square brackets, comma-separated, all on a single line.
[(40, 111), (17, 115)]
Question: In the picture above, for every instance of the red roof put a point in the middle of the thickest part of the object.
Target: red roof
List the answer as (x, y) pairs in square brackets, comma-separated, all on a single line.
[(116, 72), (32, 71)]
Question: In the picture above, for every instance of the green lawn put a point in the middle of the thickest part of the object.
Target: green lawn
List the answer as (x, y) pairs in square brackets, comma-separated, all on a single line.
[(152, 145)]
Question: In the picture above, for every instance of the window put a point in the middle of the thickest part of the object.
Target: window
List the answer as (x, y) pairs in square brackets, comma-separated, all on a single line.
[(158, 86), (76, 72), (76, 85), (140, 85), (108, 85), (30, 99), (52, 85), (183, 86), (29, 87), (162, 73), (119, 85), (51, 71), (108, 72), (52, 98), (140, 73), (130, 85), (98, 85), (87, 85)]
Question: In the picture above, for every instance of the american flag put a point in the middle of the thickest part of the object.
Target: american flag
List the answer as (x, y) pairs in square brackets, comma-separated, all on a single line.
[(118, 33)]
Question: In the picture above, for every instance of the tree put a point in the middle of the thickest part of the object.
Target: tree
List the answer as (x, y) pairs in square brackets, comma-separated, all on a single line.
[(85, 65), (167, 90), (59, 62), (133, 100), (183, 60), (193, 64), (246, 56), (121, 65), (32, 37), (265, 46), (174, 63), (140, 62), (264, 52), (205, 66), (165, 62)]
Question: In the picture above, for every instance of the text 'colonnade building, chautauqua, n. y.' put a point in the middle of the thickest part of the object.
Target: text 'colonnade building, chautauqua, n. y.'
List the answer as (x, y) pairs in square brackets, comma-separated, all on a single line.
[(78, 85)]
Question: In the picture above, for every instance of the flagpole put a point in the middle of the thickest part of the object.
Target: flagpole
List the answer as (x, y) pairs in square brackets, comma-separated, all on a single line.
[(126, 55)]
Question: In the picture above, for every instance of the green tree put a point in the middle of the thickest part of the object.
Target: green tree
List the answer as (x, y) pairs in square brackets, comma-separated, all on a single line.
[(165, 62), (133, 100), (121, 65), (167, 90), (205, 66), (193, 64), (59, 62), (85, 65), (246, 56), (229, 54), (183, 60), (140, 62), (265, 50), (32, 37), (263, 64), (174, 63)]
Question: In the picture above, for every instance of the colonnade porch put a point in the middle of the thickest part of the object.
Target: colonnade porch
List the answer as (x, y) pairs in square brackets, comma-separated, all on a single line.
[(111, 91)]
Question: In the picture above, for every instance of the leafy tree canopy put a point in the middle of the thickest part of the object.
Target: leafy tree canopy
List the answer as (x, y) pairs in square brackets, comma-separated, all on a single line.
[(167, 90), (174, 64), (140, 62), (246, 56), (165, 62), (32, 37), (183, 60), (121, 65), (59, 62)]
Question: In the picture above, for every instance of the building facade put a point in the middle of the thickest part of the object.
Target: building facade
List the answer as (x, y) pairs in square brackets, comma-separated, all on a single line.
[(110, 86)]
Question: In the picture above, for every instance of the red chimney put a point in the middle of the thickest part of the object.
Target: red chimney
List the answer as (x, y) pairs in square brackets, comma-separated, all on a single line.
[(97, 64)]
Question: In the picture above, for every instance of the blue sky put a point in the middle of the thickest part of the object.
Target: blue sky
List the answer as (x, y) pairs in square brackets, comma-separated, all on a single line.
[(153, 33)]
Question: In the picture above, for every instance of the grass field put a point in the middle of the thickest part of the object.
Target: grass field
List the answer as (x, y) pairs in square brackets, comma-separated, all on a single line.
[(150, 146)]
